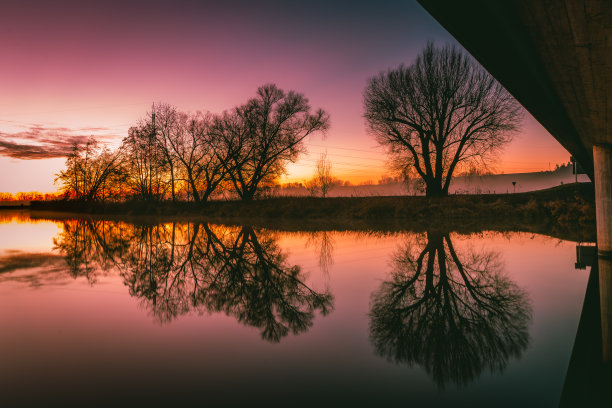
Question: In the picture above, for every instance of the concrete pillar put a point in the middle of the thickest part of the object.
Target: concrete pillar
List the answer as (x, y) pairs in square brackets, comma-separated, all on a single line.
[(602, 160), (605, 303)]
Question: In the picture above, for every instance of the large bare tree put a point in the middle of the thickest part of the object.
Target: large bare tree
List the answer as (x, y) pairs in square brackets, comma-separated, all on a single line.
[(440, 114), (261, 136)]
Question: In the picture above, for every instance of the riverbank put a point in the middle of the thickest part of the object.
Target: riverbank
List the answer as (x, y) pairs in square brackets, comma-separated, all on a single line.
[(566, 211)]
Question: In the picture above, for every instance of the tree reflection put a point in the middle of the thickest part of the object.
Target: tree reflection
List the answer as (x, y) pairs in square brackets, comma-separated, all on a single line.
[(454, 314), (324, 243), (177, 269), (91, 247), (252, 281)]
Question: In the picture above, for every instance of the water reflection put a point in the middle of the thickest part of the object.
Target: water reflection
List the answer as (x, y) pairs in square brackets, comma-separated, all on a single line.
[(324, 243), (455, 314), (177, 269), (92, 247)]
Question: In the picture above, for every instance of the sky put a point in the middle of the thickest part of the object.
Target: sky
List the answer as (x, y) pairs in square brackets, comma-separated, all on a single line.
[(71, 69)]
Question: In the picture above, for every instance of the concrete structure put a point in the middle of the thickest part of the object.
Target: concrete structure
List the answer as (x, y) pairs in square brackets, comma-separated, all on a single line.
[(602, 159), (605, 298), (588, 377), (555, 57)]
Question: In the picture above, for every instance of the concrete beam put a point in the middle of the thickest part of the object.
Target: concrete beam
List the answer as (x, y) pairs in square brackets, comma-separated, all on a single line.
[(602, 161)]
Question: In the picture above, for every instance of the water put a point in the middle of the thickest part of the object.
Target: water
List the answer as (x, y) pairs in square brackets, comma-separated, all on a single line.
[(99, 312)]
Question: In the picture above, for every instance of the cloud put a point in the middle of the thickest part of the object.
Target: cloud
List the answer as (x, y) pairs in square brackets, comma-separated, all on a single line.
[(94, 129), (40, 142)]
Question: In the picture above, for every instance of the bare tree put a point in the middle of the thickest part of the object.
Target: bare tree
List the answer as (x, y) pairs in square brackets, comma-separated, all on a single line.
[(439, 114), (198, 152), (92, 172), (322, 181), (247, 149), (145, 162), (164, 118), (261, 136)]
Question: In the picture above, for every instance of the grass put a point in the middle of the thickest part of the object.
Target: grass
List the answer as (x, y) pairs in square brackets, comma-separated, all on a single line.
[(564, 211)]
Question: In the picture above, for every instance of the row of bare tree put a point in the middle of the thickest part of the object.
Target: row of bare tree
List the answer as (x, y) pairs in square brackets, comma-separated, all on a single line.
[(442, 114), (172, 153)]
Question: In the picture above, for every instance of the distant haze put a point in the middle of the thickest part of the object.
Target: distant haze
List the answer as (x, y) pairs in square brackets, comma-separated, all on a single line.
[(486, 184)]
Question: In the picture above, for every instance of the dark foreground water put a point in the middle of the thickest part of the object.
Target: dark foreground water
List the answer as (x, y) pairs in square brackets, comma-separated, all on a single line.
[(110, 313)]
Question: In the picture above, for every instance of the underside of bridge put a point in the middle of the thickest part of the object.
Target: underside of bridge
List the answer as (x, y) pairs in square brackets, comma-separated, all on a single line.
[(555, 57)]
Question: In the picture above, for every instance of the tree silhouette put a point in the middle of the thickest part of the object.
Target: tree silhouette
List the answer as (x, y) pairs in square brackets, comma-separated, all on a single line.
[(92, 172), (439, 114), (165, 119), (261, 136), (455, 315), (202, 158), (322, 181), (146, 162), (178, 154)]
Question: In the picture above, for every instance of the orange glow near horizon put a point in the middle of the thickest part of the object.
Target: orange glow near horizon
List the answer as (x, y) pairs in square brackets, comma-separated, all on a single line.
[(357, 158)]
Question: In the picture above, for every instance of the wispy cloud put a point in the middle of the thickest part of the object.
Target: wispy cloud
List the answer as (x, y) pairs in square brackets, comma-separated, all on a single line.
[(41, 142), (94, 129)]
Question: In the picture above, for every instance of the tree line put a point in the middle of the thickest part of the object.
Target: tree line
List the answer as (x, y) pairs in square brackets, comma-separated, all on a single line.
[(177, 155), (28, 196)]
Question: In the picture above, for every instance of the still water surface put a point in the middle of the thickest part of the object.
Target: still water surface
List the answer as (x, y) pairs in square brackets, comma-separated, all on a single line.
[(101, 312)]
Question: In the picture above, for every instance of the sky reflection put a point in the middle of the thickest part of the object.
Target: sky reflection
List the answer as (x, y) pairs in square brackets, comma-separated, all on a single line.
[(87, 320)]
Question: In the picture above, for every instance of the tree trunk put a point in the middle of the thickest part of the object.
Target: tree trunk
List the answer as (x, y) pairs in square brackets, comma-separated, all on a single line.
[(194, 190), (248, 195), (435, 190), (172, 182)]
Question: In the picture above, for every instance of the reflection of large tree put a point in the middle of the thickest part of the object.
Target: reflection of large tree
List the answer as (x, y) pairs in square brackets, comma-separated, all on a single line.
[(251, 280), (181, 268), (454, 314)]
